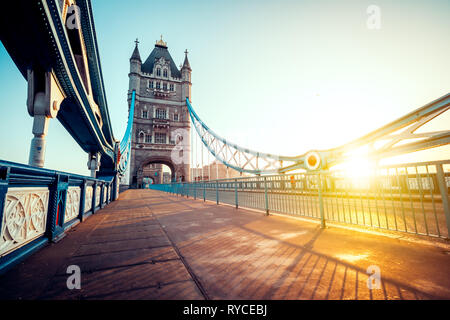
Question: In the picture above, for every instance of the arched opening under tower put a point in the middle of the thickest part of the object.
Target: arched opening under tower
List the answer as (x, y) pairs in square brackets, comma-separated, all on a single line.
[(147, 182), (156, 170)]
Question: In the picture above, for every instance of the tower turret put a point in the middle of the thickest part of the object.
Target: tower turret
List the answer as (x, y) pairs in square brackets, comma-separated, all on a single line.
[(135, 69), (186, 78)]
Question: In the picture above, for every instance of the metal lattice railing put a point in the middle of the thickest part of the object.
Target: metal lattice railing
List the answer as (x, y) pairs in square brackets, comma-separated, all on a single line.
[(411, 198)]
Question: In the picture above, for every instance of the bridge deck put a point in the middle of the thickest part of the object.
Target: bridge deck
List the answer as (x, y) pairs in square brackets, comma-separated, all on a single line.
[(151, 245)]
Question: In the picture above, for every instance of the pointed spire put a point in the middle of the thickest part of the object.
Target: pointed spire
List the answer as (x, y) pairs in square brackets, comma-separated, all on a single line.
[(136, 54), (186, 62)]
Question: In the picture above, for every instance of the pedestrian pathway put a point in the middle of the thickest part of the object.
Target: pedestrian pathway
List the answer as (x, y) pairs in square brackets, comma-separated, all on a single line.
[(154, 245)]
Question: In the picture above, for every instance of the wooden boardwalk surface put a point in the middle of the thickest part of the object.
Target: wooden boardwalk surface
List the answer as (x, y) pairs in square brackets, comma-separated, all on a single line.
[(152, 245)]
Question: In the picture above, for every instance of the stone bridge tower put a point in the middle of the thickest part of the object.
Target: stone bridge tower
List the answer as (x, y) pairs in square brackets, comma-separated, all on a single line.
[(161, 125)]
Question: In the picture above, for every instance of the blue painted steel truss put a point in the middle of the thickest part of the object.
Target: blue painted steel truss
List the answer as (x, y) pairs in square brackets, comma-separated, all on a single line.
[(395, 138)]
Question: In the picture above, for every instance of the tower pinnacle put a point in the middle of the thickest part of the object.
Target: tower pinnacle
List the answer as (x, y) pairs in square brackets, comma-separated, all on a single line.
[(186, 61), (136, 54)]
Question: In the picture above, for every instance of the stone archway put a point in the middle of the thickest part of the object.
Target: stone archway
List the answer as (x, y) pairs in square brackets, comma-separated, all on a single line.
[(147, 181), (178, 172)]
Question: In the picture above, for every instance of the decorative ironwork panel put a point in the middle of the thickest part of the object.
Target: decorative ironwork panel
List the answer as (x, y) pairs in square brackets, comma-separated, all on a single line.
[(88, 199), (97, 196), (105, 191), (72, 203), (24, 217)]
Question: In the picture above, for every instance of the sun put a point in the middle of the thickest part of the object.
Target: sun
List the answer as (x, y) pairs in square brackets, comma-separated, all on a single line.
[(358, 165)]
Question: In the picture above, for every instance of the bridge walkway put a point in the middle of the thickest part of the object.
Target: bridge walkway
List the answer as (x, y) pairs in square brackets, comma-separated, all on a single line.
[(153, 245)]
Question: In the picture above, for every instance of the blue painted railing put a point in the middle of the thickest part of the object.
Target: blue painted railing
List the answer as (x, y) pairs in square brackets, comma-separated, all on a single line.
[(411, 198), (40, 205)]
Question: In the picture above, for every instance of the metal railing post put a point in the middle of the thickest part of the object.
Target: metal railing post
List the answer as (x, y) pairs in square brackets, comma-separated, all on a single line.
[(235, 193), (322, 212), (217, 192), (4, 182), (444, 194), (195, 191), (266, 198), (82, 199), (204, 191)]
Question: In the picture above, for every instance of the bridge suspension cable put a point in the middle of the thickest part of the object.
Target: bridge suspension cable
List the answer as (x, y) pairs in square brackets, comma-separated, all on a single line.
[(395, 138)]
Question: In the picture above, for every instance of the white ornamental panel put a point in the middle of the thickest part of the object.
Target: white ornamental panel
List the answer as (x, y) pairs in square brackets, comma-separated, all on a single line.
[(104, 194), (88, 199), (72, 203), (97, 196), (24, 217), (109, 191)]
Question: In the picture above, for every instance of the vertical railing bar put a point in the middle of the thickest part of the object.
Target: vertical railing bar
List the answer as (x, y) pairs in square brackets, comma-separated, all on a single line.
[(322, 213), (440, 175), (401, 199), (349, 205), (337, 203), (217, 191), (376, 178), (235, 193), (392, 200), (411, 201), (384, 202), (266, 199), (419, 184), (431, 182), (362, 207)]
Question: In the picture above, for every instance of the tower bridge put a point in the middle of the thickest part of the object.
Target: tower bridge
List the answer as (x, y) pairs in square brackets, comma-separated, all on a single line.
[(193, 230)]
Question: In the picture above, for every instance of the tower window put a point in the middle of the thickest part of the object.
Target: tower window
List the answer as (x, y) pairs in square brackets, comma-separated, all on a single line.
[(160, 137), (158, 85), (161, 113), (148, 138), (144, 114), (175, 117), (158, 72), (150, 84), (164, 86), (171, 87), (165, 73)]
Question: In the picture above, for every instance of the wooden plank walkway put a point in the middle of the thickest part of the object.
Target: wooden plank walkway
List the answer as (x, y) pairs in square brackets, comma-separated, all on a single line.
[(152, 245)]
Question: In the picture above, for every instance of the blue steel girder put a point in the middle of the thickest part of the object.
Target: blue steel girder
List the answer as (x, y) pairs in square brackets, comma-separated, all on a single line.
[(125, 144), (69, 76), (35, 36), (391, 137)]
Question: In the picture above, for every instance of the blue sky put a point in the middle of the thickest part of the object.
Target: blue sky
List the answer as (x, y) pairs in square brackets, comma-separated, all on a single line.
[(277, 76)]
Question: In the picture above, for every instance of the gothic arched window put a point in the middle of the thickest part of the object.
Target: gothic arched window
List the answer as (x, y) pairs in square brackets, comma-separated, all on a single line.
[(165, 73), (141, 137), (158, 72)]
